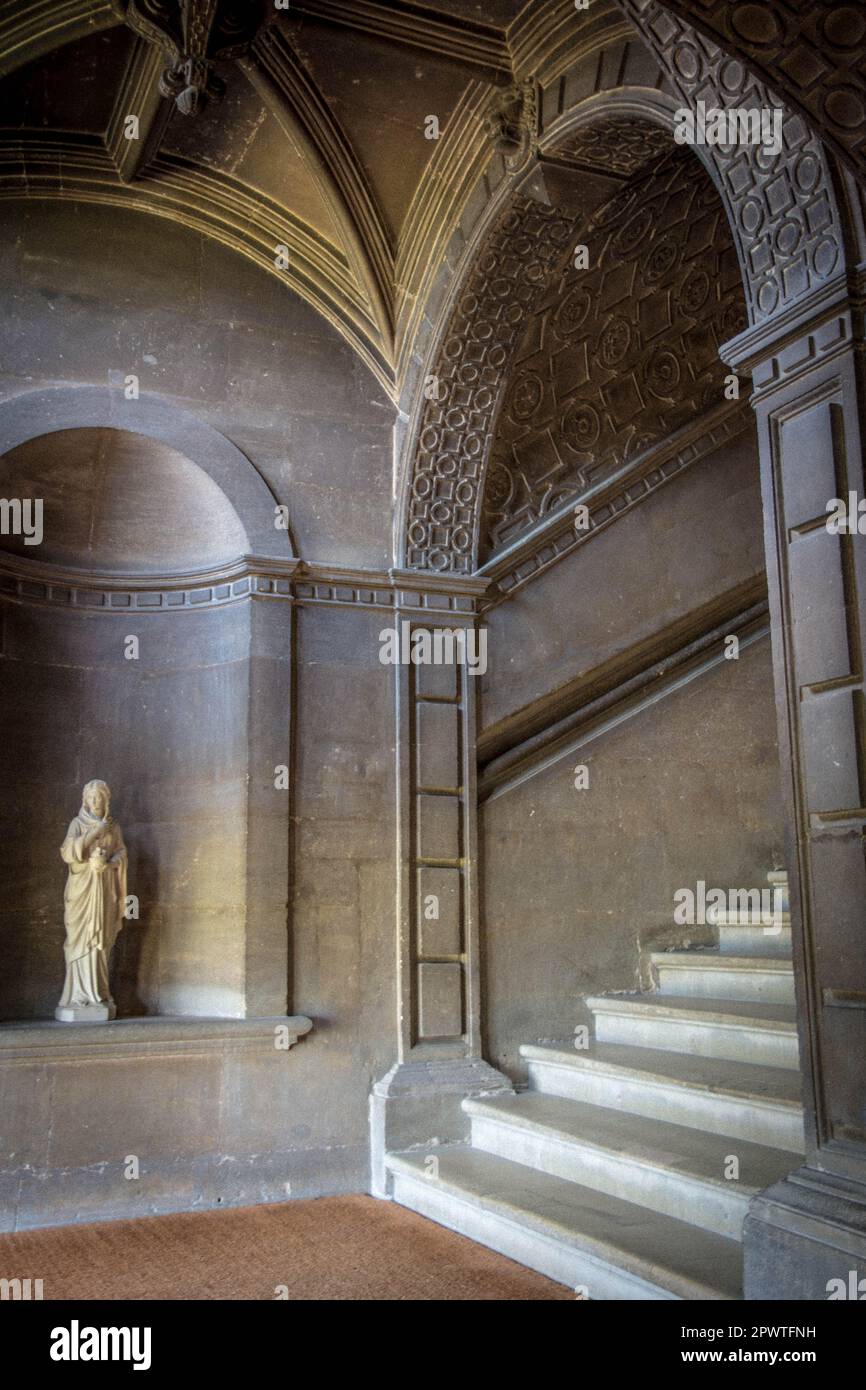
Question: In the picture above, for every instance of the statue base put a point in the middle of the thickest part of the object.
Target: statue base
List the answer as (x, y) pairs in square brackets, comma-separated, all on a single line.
[(85, 1013)]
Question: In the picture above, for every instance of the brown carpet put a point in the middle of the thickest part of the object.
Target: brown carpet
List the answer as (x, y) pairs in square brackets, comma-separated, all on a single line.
[(329, 1248)]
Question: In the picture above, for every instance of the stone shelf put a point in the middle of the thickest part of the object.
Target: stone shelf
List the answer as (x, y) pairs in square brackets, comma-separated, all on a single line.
[(33, 1039)]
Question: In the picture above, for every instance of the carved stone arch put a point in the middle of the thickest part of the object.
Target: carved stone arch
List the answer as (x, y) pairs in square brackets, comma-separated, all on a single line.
[(784, 219), (76, 407)]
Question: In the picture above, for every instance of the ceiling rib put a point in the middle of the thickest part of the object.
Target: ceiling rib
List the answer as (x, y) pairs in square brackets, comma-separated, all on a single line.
[(413, 26), (32, 30), (288, 91), (138, 96)]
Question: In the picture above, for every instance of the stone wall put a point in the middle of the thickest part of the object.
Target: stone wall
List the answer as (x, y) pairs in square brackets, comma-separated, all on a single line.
[(191, 738), (578, 884)]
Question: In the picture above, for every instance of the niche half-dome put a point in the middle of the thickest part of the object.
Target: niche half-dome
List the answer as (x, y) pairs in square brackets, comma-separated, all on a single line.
[(115, 502)]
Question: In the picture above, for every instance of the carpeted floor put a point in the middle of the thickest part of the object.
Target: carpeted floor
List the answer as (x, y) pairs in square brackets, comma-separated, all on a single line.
[(330, 1248)]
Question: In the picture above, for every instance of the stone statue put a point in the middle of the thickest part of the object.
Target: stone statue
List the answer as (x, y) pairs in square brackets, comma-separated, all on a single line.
[(94, 904)]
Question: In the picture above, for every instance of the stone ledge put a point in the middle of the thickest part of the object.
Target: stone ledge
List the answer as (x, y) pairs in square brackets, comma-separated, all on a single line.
[(51, 1041)]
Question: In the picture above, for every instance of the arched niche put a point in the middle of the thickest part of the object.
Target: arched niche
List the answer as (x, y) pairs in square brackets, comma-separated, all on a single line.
[(36, 413), (136, 649)]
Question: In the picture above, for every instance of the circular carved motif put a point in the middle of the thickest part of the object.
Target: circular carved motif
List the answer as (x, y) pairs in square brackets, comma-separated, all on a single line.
[(844, 27), (732, 75), (693, 295), (788, 237), (662, 373), (687, 61), (806, 172), (446, 465), (755, 24), (614, 342), (422, 484), (634, 232), (573, 311), (581, 427), (661, 259), (526, 395), (499, 488), (845, 108), (751, 216), (768, 296), (825, 256)]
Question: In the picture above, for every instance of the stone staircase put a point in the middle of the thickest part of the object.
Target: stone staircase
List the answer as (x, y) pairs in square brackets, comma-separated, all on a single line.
[(609, 1173)]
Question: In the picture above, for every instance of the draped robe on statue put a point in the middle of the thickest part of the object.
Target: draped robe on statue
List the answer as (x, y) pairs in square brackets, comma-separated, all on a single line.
[(94, 903)]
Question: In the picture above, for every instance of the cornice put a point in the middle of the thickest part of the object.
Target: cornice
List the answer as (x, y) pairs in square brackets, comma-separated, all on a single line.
[(633, 482), (250, 577), (557, 725), (822, 305)]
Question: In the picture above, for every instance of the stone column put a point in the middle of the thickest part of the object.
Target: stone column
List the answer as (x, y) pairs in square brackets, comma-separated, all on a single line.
[(809, 396), (438, 1033)]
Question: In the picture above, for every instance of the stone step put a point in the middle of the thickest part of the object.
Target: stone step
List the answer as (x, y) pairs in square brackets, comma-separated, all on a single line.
[(668, 1168), (740, 937), (583, 1238), (737, 1099), (711, 975), (738, 1031)]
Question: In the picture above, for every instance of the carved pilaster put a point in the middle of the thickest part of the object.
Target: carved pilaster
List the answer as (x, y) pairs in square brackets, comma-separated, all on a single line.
[(438, 1040), (810, 389)]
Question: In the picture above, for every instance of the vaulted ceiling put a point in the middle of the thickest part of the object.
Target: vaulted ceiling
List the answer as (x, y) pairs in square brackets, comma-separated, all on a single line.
[(320, 160), (320, 142)]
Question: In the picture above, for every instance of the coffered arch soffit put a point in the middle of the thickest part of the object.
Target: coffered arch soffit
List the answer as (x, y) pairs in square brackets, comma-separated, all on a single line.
[(782, 213)]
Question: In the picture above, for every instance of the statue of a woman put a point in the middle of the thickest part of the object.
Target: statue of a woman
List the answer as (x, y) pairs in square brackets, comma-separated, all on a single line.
[(94, 904)]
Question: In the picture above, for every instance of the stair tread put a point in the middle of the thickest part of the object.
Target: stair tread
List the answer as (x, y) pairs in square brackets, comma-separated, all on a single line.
[(671, 1254), (745, 1080), (715, 960), (649, 1142), (754, 1012)]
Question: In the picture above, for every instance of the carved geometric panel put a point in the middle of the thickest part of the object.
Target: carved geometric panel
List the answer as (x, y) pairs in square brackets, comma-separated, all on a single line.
[(506, 283), (619, 355), (622, 145), (812, 52), (782, 206)]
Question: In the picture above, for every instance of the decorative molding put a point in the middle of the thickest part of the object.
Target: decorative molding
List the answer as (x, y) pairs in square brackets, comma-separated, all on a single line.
[(544, 41), (459, 185), (31, 30), (464, 41), (781, 208), (555, 727), (454, 434), (453, 598), (790, 343), (636, 480)]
